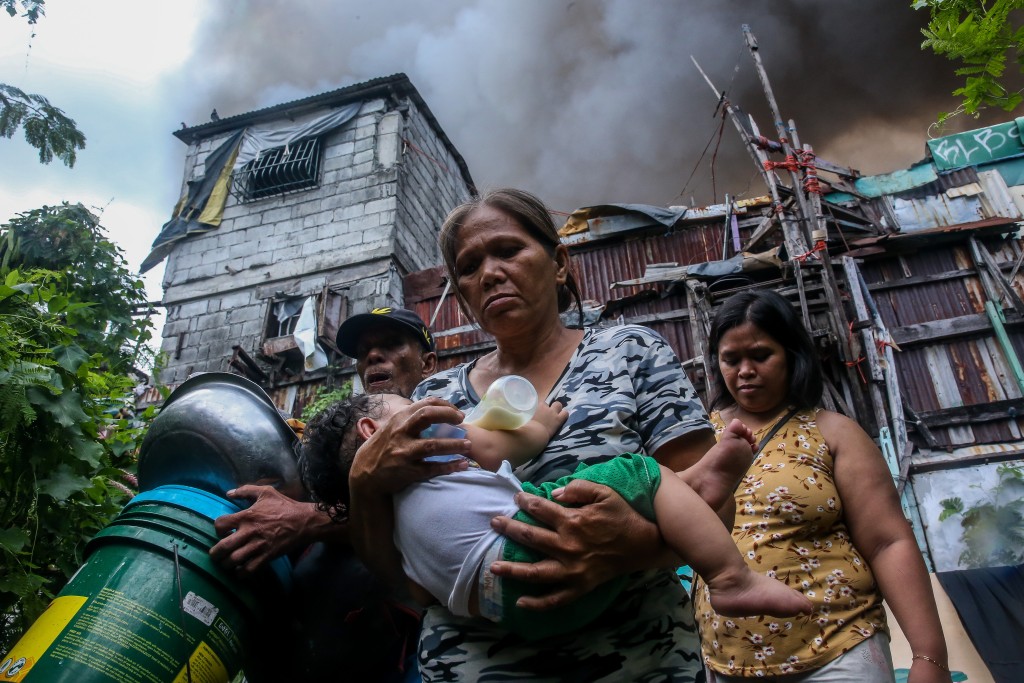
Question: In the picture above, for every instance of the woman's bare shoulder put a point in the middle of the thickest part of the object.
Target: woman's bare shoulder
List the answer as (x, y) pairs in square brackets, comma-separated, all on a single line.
[(838, 429), (829, 419)]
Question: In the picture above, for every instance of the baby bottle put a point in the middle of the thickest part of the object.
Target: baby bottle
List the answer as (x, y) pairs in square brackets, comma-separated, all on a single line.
[(508, 403), (443, 430)]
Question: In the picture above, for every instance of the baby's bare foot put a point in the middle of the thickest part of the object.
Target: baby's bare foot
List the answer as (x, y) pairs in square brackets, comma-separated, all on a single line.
[(737, 430), (751, 594), (725, 464)]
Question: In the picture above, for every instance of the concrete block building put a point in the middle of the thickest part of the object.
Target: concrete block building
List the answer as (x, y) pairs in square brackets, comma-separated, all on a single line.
[(294, 217)]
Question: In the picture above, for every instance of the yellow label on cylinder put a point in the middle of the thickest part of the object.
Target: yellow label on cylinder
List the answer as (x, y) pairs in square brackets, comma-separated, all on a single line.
[(206, 667), (33, 645)]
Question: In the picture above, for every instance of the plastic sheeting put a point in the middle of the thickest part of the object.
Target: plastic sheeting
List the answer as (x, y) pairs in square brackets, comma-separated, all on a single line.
[(201, 208), (313, 356), (990, 603), (608, 219), (256, 139)]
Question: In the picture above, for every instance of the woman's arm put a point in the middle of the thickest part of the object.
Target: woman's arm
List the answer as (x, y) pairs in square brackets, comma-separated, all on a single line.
[(390, 460), (602, 538), (883, 536), (585, 546), (605, 537)]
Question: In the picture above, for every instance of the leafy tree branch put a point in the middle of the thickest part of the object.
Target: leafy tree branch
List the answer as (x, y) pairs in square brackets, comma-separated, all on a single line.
[(984, 35), (46, 127), (68, 435)]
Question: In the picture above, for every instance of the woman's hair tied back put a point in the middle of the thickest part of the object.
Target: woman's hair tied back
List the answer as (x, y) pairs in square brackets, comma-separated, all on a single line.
[(531, 213)]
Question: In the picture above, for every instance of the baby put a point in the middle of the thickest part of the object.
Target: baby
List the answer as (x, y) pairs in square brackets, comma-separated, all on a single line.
[(443, 531)]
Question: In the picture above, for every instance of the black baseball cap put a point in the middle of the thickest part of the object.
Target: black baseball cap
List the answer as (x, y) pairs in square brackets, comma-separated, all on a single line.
[(398, 318)]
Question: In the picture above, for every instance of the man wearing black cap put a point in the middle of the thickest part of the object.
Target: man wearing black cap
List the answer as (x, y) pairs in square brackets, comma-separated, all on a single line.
[(393, 349), (342, 610)]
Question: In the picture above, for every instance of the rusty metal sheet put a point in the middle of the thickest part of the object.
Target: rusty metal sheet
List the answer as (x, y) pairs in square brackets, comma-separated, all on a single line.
[(955, 372)]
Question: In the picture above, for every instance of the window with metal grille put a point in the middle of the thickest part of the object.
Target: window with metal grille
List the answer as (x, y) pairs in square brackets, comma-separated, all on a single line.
[(280, 170)]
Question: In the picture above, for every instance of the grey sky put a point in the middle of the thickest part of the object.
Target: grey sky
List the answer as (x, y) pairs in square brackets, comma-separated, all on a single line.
[(582, 102)]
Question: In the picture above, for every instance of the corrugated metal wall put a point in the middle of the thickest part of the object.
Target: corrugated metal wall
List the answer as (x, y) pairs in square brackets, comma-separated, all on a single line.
[(961, 371)]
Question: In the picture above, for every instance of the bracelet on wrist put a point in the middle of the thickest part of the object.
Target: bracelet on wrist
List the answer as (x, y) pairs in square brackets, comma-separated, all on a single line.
[(932, 660)]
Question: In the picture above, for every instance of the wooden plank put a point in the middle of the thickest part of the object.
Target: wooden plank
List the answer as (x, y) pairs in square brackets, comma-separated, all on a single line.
[(861, 227), (923, 279), (790, 232), (888, 364), (919, 425), (677, 314), (997, 276), (424, 284), (1007, 409), (248, 367), (892, 389), (275, 346), (860, 307), (332, 309), (940, 463), (797, 236), (869, 349), (937, 330), (700, 323), (937, 277), (767, 223), (905, 462)]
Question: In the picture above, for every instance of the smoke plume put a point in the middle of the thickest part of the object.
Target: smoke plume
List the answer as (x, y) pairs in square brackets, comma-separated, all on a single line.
[(595, 101)]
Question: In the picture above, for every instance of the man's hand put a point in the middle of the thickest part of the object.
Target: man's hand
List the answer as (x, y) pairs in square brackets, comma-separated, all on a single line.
[(389, 460), (585, 546), (392, 458), (274, 525)]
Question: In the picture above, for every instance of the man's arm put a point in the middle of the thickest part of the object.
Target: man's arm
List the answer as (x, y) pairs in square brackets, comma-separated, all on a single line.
[(273, 526), (390, 460), (604, 537)]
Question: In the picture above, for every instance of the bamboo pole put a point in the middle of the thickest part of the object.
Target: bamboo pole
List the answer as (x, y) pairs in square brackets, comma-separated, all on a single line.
[(869, 348), (759, 157), (780, 128), (837, 313)]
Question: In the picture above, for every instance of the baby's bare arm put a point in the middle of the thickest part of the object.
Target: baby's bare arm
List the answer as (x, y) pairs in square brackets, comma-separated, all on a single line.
[(489, 447)]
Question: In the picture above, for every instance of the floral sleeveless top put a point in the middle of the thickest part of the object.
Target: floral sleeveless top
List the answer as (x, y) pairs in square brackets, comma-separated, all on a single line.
[(790, 525)]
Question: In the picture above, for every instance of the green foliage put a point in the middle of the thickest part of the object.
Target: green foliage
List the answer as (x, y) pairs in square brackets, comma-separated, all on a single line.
[(324, 398), (950, 507), (46, 127), (993, 530), (67, 436), (980, 35), (101, 299)]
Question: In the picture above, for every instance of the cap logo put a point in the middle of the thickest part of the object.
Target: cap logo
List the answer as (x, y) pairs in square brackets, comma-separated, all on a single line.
[(382, 311)]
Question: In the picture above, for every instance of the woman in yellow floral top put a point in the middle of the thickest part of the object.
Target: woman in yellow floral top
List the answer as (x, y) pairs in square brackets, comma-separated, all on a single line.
[(818, 511)]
